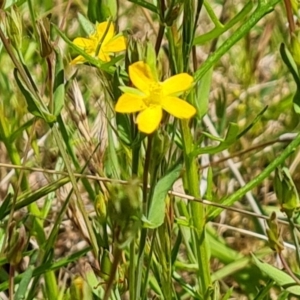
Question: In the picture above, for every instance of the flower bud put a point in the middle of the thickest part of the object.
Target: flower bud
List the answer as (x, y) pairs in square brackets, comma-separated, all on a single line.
[(100, 208), (14, 27), (286, 191), (122, 282), (105, 265), (17, 241), (173, 14), (273, 234), (161, 143), (43, 26), (80, 288), (77, 288)]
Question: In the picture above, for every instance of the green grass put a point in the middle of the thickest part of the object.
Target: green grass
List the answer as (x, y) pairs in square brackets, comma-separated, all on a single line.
[(92, 208)]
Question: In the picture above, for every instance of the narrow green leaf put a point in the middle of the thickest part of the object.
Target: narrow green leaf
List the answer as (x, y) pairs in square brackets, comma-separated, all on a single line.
[(94, 11), (130, 90), (145, 4), (230, 138), (108, 10), (49, 266), (281, 278), (112, 163), (296, 101), (202, 94), (101, 10), (228, 294), (256, 119), (59, 87), (217, 31), (30, 197), (93, 282), (23, 286), (290, 63), (157, 207), (16, 134), (87, 26), (4, 205), (124, 129), (9, 3), (33, 105), (263, 292)]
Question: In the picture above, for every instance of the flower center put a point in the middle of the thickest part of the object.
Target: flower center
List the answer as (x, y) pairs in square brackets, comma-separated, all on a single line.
[(155, 95)]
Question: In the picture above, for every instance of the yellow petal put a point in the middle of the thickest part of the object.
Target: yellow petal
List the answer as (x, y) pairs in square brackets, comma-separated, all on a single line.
[(115, 45), (86, 44), (177, 84), (178, 108), (148, 120), (103, 56), (129, 103), (141, 76), (102, 29), (78, 60)]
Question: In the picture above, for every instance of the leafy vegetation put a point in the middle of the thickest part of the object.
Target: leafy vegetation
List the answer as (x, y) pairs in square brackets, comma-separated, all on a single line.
[(149, 149)]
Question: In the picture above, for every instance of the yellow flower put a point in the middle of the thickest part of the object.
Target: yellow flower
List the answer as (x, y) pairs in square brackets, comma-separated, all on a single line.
[(152, 97), (97, 42)]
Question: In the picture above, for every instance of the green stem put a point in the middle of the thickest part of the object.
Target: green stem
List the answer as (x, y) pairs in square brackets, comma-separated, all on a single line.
[(197, 210), (295, 238), (11, 281), (144, 230), (140, 263), (212, 15), (146, 279), (132, 263), (217, 32), (159, 38), (132, 259), (145, 174), (161, 27)]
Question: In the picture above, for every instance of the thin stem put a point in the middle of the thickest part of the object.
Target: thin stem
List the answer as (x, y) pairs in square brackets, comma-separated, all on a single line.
[(117, 258), (132, 259), (146, 170), (102, 39), (144, 230), (161, 30), (146, 279), (289, 13), (295, 238), (132, 263), (288, 269), (11, 281), (197, 210), (212, 15), (159, 38)]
